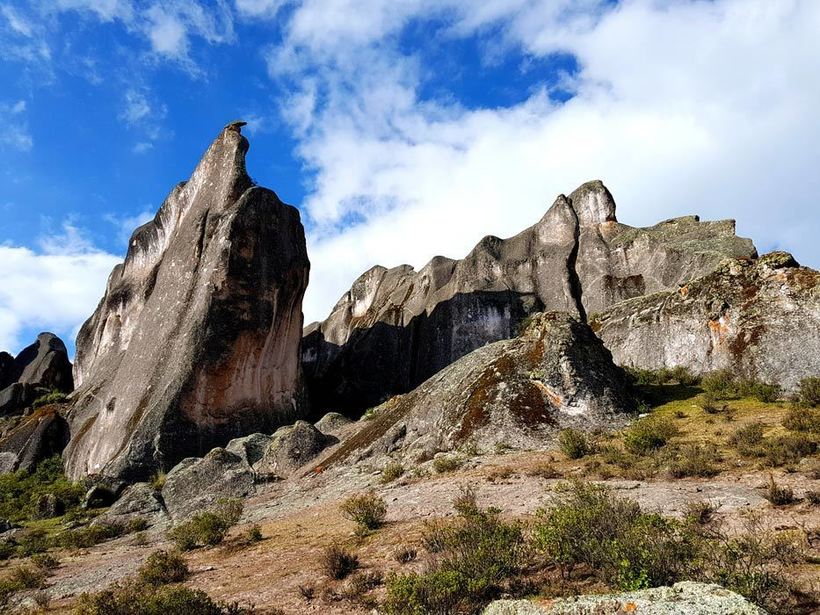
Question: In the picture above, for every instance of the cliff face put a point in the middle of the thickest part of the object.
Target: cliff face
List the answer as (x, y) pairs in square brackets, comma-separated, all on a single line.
[(397, 327), (761, 319), (197, 337)]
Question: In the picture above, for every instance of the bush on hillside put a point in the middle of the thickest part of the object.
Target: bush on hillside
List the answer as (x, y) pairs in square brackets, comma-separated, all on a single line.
[(366, 510), (207, 528), (574, 444), (809, 391), (649, 434)]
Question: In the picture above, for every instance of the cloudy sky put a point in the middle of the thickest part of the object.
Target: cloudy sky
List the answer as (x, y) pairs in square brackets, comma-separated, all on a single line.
[(402, 129)]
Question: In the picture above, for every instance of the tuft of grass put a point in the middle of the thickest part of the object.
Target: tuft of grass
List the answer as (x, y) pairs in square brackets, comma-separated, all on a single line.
[(544, 470), (446, 463), (809, 391), (254, 534), (720, 384), (701, 460), (787, 449), (405, 555), (158, 480), (779, 495), (392, 471), (575, 444), (747, 439), (338, 562), (700, 512), (51, 397), (806, 420), (366, 510)]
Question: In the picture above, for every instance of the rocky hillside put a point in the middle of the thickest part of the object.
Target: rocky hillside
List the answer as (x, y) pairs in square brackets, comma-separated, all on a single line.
[(759, 319), (197, 337), (41, 368), (396, 327)]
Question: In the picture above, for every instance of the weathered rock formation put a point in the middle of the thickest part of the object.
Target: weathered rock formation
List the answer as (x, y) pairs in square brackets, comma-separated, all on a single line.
[(40, 368), (36, 437), (197, 337), (397, 327), (759, 318), (517, 392)]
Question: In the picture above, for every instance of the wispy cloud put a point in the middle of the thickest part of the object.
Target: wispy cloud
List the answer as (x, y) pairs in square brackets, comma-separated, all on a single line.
[(143, 115), (14, 131)]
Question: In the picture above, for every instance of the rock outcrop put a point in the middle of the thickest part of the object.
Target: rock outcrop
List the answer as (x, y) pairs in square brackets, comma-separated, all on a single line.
[(515, 392), (397, 327), (196, 340), (759, 318), (36, 437), (685, 597), (40, 368)]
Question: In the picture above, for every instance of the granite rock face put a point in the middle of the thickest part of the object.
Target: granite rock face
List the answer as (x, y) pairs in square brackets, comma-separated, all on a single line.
[(516, 392), (397, 327), (36, 437), (40, 368), (759, 318), (196, 340)]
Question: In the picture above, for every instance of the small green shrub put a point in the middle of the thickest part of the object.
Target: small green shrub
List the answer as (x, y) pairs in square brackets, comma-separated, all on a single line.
[(648, 377), (700, 512), (44, 561), (158, 480), (404, 555), (762, 391), (85, 537), (721, 384), (574, 443), (787, 449), (139, 599), (254, 534), (806, 420), (747, 439), (809, 391), (392, 471), (51, 397), (163, 567), (366, 510), (649, 434), (26, 576), (444, 463), (20, 490), (338, 562), (700, 460), (207, 528)]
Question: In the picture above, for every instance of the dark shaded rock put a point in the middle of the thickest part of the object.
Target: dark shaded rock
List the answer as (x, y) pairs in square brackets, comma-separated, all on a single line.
[(332, 423), (195, 484), (45, 364), (15, 397), (397, 327), (139, 500), (760, 319), (250, 448), (517, 392), (102, 494), (291, 448), (37, 437), (8, 373), (196, 340), (48, 506)]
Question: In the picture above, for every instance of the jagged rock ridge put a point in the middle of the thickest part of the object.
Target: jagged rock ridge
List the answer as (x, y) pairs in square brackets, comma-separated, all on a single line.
[(761, 319), (197, 337), (396, 327)]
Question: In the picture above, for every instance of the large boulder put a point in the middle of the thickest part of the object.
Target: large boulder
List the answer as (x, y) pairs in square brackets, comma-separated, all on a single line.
[(40, 368), (196, 340), (759, 318), (41, 435), (685, 597), (397, 327), (516, 392), (196, 484), (290, 448)]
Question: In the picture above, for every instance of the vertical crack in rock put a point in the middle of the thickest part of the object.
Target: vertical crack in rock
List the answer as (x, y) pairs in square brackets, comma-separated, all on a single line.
[(575, 286)]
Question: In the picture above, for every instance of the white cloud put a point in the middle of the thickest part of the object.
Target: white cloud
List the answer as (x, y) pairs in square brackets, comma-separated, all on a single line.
[(680, 107), (144, 115), (259, 8), (55, 288), (14, 130), (126, 225)]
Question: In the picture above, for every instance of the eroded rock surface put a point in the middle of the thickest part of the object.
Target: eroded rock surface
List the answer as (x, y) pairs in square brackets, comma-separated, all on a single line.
[(514, 392), (196, 340), (759, 318), (38, 369), (36, 437), (397, 327)]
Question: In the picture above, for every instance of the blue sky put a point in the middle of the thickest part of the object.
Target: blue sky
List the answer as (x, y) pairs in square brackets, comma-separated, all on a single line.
[(401, 128)]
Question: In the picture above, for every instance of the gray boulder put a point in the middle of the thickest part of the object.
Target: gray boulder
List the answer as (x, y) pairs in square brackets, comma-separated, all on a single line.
[(139, 500), (45, 364), (15, 398), (332, 423), (196, 340), (686, 597), (397, 327), (759, 318), (250, 448), (195, 484), (291, 448), (517, 392)]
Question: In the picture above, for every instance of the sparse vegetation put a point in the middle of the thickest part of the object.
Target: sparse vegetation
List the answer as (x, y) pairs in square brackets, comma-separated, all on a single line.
[(674, 375), (48, 398), (805, 420), (721, 384), (254, 534), (779, 495), (163, 567), (207, 528), (158, 480), (392, 471), (747, 439), (649, 434), (701, 460), (446, 463), (134, 598), (338, 562), (544, 470), (809, 391), (366, 510), (574, 444), (19, 491), (787, 449), (405, 555)]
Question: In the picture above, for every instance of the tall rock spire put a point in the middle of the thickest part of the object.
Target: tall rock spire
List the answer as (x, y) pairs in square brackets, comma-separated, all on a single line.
[(197, 337)]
